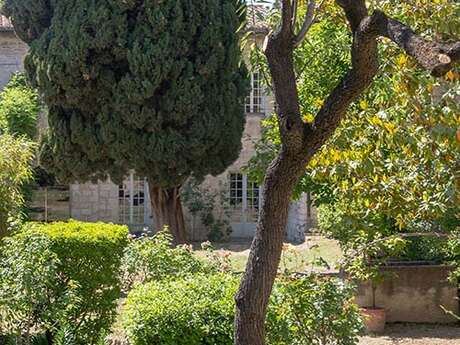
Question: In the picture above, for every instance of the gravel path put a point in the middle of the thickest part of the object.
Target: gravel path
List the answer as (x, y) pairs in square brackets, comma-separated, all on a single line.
[(403, 334)]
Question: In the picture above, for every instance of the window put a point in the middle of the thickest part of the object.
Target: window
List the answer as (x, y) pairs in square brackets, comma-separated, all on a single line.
[(253, 201), (254, 102), (131, 200), (244, 198)]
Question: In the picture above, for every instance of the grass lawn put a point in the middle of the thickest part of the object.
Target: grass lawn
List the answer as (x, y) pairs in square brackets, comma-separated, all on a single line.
[(316, 253)]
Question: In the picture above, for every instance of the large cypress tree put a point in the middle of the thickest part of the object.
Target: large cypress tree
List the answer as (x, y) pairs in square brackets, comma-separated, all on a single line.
[(156, 86)]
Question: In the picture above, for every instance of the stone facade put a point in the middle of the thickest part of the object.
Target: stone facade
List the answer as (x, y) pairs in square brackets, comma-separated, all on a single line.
[(94, 202), (12, 52)]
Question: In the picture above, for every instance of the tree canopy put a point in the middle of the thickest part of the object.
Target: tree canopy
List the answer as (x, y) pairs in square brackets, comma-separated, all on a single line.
[(393, 163), (302, 136), (155, 86)]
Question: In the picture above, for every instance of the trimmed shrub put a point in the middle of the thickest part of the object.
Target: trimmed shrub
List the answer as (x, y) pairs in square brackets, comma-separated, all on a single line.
[(61, 274), (199, 310), (195, 310)]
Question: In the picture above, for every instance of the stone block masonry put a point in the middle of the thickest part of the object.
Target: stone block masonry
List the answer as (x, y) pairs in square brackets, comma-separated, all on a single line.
[(12, 52)]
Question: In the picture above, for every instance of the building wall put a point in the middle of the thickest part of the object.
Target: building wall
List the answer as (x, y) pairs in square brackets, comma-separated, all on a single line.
[(414, 294), (94, 202), (12, 52)]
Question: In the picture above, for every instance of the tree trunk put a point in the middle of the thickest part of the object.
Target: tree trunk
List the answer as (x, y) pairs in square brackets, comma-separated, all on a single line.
[(167, 211), (253, 296), (49, 337), (301, 140)]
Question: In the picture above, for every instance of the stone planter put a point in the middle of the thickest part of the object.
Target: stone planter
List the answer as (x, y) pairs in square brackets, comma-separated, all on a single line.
[(374, 319)]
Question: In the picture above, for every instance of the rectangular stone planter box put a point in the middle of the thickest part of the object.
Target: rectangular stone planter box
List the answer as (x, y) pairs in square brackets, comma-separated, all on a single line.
[(413, 294)]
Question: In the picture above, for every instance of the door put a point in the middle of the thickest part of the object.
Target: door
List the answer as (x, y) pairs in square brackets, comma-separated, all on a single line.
[(134, 204), (245, 199)]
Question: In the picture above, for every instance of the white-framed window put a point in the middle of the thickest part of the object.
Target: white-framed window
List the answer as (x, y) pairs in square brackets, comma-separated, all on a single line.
[(132, 200), (254, 101), (245, 198)]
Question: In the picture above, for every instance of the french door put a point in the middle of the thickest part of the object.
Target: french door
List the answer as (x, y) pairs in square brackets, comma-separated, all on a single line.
[(245, 198), (134, 203)]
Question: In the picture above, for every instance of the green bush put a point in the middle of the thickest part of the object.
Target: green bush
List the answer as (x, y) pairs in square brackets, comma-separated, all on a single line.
[(154, 258), (313, 310), (199, 310), (19, 108), (61, 274), (196, 310)]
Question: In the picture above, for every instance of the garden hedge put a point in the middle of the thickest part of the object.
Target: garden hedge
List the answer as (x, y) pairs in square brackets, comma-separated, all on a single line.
[(199, 310), (62, 275)]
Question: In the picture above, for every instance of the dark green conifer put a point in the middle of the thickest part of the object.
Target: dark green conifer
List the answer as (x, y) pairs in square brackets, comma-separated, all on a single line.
[(156, 86)]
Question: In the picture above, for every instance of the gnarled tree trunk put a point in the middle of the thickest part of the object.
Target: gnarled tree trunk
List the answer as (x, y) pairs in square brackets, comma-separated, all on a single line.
[(257, 283), (167, 211)]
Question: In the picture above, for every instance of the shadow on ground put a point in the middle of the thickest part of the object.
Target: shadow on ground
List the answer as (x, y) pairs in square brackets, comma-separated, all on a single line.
[(415, 334)]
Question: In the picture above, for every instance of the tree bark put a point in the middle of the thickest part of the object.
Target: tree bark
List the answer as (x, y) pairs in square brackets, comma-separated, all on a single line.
[(282, 176), (167, 211), (253, 296)]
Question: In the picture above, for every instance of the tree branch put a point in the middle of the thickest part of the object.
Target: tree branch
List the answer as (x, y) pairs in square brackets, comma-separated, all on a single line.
[(307, 23), (279, 52), (285, 27), (295, 7), (354, 83), (436, 57), (355, 10)]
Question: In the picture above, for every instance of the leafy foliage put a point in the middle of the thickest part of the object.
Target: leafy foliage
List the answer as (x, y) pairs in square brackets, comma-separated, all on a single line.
[(199, 310), (313, 310), (19, 108), (28, 271), (61, 275), (16, 155), (148, 259), (392, 165), (131, 84), (210, 207), (196, 310)]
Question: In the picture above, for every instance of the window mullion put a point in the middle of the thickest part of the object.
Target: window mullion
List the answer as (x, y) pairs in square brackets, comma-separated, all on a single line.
[(131, 198), (251, 101), (245, 197)]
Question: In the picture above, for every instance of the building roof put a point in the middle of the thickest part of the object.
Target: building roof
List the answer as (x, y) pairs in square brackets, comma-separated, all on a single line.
[(5, 24), (256, 15)]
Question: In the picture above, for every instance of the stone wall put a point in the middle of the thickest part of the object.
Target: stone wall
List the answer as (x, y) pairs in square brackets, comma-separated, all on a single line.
[(94, 202), (12, 52), (414, 294), (297, 221), (49, 204)]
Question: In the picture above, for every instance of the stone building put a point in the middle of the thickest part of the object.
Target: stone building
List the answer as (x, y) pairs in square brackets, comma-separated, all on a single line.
[(129, 202), (12, 51)]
